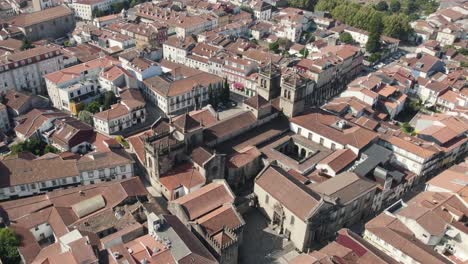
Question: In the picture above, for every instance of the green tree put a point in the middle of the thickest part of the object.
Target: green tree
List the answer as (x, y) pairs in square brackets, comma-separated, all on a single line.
[(109, 99), (381, 6), (284, 43), (93, 107), (395, 6), (346, 38), (133, 3), (304, 52), (225, 92), (9, 243), (326, 5), (373, 43), (397, 26), (26, 44), (98, 12), (211, 97), (410, 7), (247, 9), (86, 117), (274, 46), (33, 145), (302, 4)]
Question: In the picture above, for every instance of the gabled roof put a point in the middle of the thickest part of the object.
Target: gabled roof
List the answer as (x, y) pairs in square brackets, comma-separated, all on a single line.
[(256, 102), (205, 200), (186, 123), (288, 191), (322, 124)]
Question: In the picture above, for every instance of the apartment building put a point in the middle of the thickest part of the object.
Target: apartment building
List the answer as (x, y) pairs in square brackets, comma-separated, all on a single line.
[(128, 112), (84, 9), (427, 229), (35, 122), (146, 35), (96, 217), (52, 22), (26, 174), (176, 92), (24, 70), (79, 83)]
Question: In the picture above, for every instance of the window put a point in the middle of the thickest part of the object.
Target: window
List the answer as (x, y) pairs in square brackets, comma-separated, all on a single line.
[(90, 174), (101, 173), (123, 168), (75, 179), (12, 189), (54, 183), (112, 170), (321, 141), (310, 136), (333, 146), (299, 130), (267, 198), (33, 186), (292, 220), (43, 184), (64, 181)]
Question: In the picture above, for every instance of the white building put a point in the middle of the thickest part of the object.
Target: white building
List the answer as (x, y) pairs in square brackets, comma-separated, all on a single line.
[(125, 114), (24, 70), (77, 83), (427, 229), (84, 8), (27, 175), (177, 93)]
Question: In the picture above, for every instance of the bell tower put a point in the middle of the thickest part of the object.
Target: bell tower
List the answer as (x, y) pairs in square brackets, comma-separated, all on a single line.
[(268, 82), (293, 90)]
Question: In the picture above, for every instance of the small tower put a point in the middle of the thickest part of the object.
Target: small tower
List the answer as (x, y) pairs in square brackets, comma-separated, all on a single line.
[(268, 82), (293, 90)]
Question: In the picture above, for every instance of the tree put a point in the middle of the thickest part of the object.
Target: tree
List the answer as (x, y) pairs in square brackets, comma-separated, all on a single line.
[(33, 145), (211, 97), (247, 9), (381, 6), (346, 38), (373, 43), (395, 6), (410, 7), (86, 117), (26, 44), (325, 5), (397, 26), (374, 57), (93, 107), (109, 99), (284, 43), (274, 46), (225, 92), (133, 3), (302, 4), (98, 12), (9, 243), (304, 52)]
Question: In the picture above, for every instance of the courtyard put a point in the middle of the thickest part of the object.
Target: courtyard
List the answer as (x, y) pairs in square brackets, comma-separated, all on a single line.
[(261, 244)]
